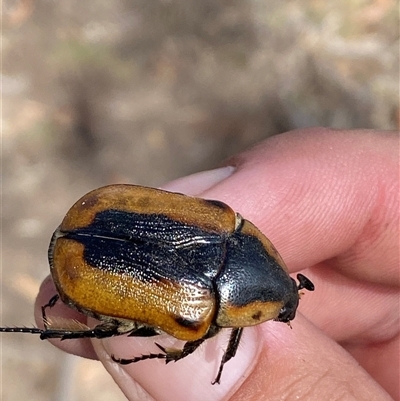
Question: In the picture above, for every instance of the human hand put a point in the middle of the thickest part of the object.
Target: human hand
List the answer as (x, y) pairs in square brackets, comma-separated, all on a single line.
[(328, 200)]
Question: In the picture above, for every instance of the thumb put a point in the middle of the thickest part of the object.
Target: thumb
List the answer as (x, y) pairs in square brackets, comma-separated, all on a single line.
[(305, 364)]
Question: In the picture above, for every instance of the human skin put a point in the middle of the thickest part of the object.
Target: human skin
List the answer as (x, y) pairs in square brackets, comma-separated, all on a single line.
[(329, 202)]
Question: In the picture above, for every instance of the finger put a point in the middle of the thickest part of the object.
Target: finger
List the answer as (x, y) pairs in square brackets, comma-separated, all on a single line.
[(329, 201), (320, 195), (304, 364)]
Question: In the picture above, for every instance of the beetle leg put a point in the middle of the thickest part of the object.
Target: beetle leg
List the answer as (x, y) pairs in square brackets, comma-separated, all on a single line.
[(173, 354), (99, 331), (144, 331), (138, 358), (230, 351), (103, 330), (305, 283), (169, 354), (49, 304), (30, 330)]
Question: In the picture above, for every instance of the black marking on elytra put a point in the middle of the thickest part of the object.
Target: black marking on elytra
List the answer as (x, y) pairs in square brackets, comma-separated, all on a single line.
[(257, 315)]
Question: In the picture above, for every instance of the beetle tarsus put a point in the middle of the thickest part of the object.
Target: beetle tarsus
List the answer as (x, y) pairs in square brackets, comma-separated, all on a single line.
[(29, 330), (230, 351), (49, 305), (123, 361), (169, 354)]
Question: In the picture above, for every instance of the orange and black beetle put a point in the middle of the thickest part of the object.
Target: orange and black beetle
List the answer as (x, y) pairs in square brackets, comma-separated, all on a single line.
[(145, 261)]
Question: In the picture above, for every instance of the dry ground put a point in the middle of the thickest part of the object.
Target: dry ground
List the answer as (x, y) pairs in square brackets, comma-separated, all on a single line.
[(145, 91)]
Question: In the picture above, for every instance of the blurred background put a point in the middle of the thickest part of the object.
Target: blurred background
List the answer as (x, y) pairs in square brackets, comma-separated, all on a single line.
[(143, 91)]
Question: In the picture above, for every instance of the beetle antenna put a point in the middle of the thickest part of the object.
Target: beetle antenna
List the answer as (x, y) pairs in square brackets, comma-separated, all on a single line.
[(305, 283)]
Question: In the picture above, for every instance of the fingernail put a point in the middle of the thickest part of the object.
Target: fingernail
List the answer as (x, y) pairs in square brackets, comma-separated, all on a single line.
[(195, 184)]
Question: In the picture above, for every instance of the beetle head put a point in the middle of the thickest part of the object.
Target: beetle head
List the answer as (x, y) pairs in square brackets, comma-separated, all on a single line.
[(288, 311)]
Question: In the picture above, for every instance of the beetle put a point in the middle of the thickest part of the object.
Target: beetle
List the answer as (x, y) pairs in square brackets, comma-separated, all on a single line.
[(144, 261)]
